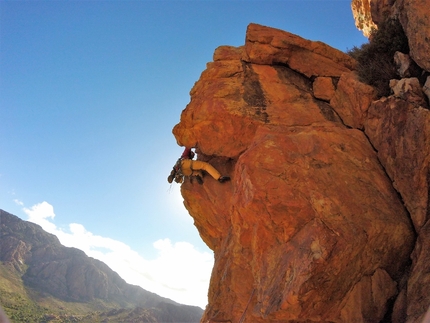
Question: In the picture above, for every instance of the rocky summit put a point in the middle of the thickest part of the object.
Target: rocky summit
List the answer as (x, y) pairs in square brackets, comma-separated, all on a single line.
[(326, 216)]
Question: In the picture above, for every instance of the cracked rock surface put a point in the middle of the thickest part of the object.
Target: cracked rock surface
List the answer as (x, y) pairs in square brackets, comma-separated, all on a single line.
[(311, 226)]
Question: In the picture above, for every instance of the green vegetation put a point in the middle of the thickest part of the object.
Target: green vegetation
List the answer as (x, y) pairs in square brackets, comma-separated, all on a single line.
[(23, 300), (25, 305), (22, 308), (19, 308), (375, 59), (14, 300)]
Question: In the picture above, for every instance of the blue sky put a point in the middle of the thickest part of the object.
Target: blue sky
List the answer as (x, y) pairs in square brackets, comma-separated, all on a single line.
[(89, 94)]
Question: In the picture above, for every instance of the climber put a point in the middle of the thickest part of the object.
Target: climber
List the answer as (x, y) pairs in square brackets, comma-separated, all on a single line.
[(186, 166)]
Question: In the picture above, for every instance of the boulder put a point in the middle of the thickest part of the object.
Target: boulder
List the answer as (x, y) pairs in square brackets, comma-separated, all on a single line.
[(408, 89), (400, 131), (406, 67), (351, 100), (270, 46), (323, 88), (413, 16)]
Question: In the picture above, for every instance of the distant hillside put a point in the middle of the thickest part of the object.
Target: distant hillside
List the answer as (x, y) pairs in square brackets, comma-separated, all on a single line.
[(41, 280)]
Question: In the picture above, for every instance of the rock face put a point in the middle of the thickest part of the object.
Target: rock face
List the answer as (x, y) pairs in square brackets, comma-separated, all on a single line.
[(312, 226), (399, 128), (400, 131), (362, 12)]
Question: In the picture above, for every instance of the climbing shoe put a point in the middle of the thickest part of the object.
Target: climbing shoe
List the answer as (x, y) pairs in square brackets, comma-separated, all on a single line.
[(223, 179), (170, 178)]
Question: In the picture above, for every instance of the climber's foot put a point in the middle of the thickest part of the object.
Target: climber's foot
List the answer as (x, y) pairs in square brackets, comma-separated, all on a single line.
[(223, 179)]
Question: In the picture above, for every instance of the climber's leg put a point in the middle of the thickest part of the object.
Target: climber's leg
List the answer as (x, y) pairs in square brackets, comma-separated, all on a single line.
[(201, 165)]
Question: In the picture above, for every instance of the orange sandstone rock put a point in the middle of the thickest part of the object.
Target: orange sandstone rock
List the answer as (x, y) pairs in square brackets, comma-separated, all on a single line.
[(414, 16), (266, 45), (399, 129), (363, 16), (323, 88), (400, 132), (352, 99), (310, 227)]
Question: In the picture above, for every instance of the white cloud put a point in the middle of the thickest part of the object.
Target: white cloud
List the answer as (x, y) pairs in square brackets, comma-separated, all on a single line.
[(179, 272), (40, 213), (18, 202)]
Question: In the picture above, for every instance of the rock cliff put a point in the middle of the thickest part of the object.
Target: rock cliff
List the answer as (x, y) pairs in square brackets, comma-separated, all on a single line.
[(329, 186)]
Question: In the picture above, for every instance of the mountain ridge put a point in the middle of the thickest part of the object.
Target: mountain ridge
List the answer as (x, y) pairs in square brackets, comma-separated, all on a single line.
[(67, 274)]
